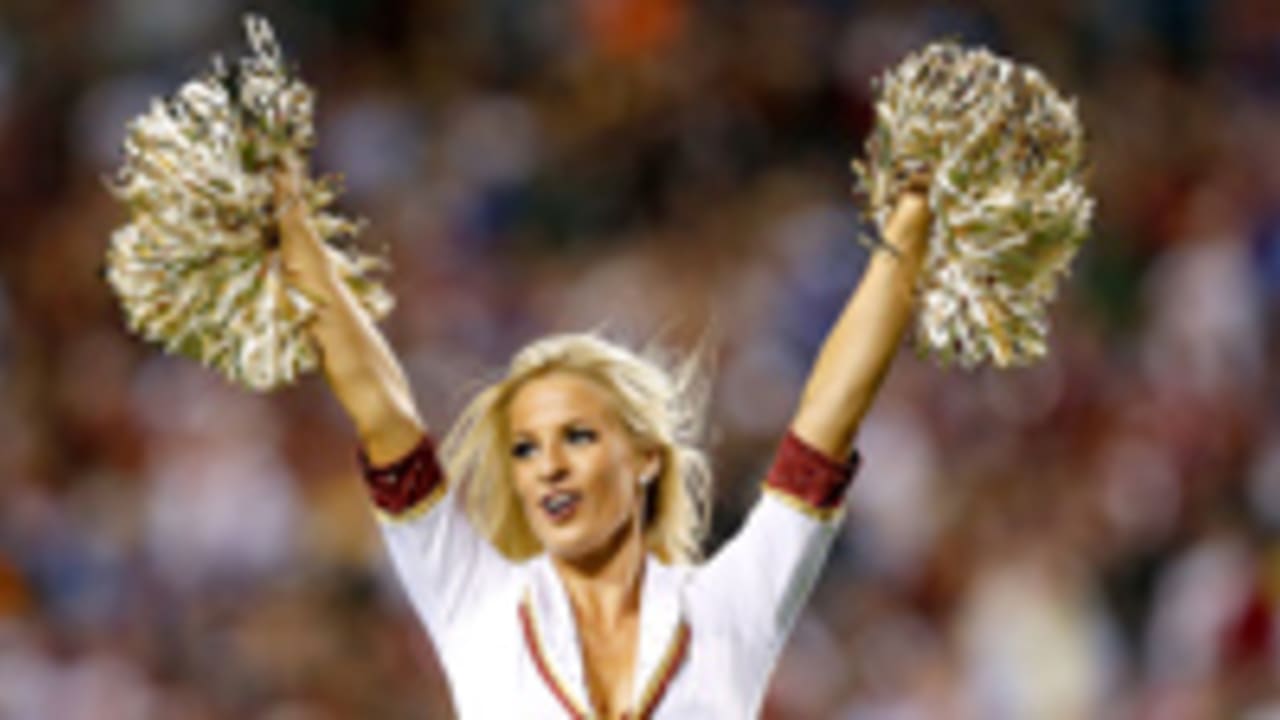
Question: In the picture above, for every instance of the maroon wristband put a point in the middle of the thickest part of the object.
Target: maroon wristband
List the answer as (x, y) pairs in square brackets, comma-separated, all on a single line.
[(807, 475), (400, 486)]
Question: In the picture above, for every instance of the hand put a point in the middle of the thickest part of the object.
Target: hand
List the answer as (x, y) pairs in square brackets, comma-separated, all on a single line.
[(907, 230), (306, 259), (907, 233)]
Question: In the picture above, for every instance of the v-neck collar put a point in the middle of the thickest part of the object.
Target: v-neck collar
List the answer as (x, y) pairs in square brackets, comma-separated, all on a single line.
[(551, 634)]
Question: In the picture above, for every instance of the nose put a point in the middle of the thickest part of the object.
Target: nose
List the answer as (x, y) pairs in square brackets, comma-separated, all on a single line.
[(552, 465)]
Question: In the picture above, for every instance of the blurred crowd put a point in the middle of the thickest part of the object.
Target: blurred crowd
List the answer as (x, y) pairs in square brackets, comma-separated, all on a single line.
[(1094, 537)]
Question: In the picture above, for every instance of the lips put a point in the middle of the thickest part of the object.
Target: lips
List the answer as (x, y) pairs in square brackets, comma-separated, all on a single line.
[(560, 505)]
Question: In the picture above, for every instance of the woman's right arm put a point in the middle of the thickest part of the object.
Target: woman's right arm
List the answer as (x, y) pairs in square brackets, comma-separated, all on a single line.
[(444, 563), (358, 363)]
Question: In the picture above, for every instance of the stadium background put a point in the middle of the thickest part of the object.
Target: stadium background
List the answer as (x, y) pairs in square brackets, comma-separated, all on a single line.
[(1092, 538)]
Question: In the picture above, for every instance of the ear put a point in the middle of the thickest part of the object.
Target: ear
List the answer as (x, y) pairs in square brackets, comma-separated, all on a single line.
[(652, 466)]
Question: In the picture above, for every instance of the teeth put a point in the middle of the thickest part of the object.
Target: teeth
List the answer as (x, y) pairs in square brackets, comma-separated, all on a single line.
[(557, 502)]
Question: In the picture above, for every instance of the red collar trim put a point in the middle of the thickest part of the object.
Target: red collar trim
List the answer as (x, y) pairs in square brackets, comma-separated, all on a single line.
[(676, 653), (533, 639)]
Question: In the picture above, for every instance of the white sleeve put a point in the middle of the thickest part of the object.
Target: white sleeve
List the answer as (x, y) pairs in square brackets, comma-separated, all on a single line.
[(445, 564), (754, 588)]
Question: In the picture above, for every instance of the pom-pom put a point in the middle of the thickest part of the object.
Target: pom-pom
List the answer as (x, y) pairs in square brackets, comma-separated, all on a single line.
[(1004, 152), (198, 267)]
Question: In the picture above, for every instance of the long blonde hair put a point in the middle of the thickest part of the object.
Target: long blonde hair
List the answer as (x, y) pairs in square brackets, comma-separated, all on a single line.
[(662, 408)]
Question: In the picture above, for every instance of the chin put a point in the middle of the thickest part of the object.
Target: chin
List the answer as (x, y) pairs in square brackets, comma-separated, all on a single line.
[(574, 545), (569, 546)]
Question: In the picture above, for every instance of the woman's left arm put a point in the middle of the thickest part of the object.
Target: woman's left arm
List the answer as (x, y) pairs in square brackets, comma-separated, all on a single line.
[(856, 354), (753, 589)]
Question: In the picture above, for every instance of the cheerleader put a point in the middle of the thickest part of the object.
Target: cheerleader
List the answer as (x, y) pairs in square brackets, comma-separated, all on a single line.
[(550, 541)]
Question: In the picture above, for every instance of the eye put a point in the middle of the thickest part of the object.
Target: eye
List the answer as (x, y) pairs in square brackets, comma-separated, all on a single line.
[(580, 436), (522, 449)]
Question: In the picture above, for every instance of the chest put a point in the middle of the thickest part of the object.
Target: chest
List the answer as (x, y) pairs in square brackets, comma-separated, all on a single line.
[(509, 669), (529, 657), (608, 654)]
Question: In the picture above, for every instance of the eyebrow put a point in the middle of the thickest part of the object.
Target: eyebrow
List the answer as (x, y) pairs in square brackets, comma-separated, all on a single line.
[(517, 434)]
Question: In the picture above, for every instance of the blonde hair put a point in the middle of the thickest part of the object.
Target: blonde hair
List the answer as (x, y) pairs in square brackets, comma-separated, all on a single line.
[(660, 407)]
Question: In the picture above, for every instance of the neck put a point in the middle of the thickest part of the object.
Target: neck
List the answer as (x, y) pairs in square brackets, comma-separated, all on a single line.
[(604, 585)]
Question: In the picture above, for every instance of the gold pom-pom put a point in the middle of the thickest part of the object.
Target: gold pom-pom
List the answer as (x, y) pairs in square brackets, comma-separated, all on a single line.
[(1005, 154), (197, 267)]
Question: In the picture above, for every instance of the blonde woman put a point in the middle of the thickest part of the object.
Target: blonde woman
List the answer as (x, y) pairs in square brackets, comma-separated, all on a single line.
[(552, 547)]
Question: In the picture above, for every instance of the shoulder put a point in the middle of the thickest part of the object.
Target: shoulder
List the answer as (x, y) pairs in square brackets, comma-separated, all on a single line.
[(487, 621)]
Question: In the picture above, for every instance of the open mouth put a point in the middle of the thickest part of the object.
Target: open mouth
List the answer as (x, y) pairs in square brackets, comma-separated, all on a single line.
[(560, 505)]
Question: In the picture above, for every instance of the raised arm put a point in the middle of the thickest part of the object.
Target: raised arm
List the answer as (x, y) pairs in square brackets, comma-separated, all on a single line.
[(445, 565), (359, 365), (753, 589), (857, 352)]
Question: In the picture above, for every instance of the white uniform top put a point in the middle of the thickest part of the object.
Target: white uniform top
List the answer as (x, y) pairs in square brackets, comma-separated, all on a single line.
[(709, 634)]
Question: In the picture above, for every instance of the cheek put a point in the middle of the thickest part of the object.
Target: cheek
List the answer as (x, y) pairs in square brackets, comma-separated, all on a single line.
[(619, 489), (522, 486)]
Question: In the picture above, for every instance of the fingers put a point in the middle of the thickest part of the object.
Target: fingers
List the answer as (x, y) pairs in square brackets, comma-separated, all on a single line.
[(908, 227), (911, 212), (917, 182), (305, 258), (304, 283), (912, 182), (287, 182)]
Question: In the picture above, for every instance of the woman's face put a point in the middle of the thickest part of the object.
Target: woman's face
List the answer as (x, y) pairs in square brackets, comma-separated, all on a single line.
[(575, 466)]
